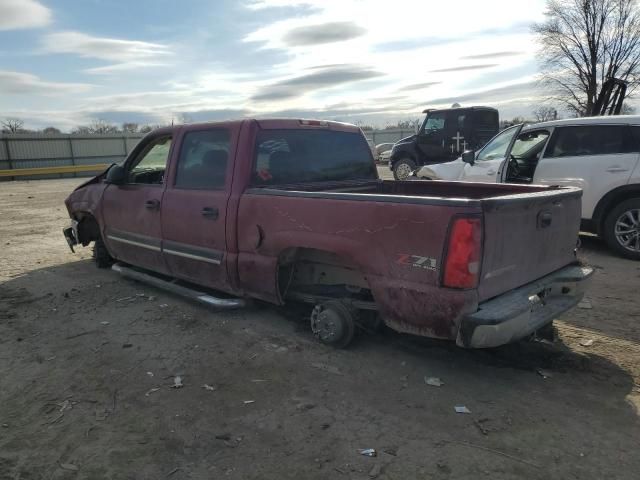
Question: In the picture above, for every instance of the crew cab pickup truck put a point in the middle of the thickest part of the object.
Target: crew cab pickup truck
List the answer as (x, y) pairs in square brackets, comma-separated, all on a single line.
[(293, 210)]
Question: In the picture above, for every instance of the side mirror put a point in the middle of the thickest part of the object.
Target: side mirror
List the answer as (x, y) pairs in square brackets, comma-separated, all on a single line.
[(469, 156), (116, 175)]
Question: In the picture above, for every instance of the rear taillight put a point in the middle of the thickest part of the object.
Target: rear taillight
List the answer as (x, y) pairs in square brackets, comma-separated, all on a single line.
[(462, 265)]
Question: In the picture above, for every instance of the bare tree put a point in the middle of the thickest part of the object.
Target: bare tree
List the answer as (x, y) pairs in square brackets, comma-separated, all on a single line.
[(130, 127), (585, 42), (544, 114), (51, 131), (102, 127), (12, 125), (81, 130)]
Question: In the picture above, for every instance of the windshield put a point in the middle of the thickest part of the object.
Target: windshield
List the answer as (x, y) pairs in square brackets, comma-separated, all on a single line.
[(433, 122), (497, 148), (304, 156)]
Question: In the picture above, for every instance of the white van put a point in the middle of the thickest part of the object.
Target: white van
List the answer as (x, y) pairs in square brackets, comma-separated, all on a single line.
[(599, 154)]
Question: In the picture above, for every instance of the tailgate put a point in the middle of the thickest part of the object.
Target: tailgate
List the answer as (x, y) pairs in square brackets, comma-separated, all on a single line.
[(527, 236)]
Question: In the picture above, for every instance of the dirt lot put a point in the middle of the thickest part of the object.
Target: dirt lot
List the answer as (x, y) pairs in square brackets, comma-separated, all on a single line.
[(87, 360)]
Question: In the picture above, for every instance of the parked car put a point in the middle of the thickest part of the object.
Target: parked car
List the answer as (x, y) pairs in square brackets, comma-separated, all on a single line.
[(384, 152), (598, 154), (385, 157), (288, 211), (443, 136)]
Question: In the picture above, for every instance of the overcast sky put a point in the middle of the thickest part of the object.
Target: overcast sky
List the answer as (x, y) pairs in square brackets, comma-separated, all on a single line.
[(66, 62)]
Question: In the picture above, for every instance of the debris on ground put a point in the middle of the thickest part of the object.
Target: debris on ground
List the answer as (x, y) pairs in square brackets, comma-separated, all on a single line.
[(586, 343), (149, 392), (585, 305), (127, 345), (544, 373), (211, 388), (479, 423), (393, 451), (150, 374), (223, 436), (461, 409), (248, 402), (177, 382), (368, 452), (66, 405), (327, 368), (433, 381), (69, 466), (105, 323)]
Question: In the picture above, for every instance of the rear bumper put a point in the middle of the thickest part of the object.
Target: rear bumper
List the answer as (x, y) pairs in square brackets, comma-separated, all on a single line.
[(520, 312)]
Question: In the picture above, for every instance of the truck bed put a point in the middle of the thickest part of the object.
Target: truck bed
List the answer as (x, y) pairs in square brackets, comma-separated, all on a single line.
[(529, 231)]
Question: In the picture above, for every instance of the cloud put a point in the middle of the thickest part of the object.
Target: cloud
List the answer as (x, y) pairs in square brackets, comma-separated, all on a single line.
[(18, 83), (123, 67), (18, 14), (465, 68), (323, 33), (120, 51), (321, 78), (485, 56), (418, 86), (412, 44), (516, 91)]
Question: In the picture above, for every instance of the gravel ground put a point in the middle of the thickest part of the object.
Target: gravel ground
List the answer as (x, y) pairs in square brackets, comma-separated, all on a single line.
[(88, 359)]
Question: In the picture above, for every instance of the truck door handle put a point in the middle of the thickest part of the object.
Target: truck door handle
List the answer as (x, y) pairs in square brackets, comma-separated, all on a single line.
[(152, 204), (210, 212), (491, 172), (616, 169)]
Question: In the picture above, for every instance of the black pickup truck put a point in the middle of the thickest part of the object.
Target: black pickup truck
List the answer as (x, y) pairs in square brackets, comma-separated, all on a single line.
[(443, 136)]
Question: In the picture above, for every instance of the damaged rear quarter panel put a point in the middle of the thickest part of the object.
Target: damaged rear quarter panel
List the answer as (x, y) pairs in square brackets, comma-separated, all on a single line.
[(398, 247)]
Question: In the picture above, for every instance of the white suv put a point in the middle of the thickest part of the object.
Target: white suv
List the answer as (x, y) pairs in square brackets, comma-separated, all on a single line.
[(599, 154)]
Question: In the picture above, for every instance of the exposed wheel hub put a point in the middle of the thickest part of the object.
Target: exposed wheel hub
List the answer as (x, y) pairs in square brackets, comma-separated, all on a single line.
[(333, 324)]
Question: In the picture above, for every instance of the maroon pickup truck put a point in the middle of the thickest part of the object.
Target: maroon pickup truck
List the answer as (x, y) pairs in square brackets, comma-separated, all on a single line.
[(293, 210)]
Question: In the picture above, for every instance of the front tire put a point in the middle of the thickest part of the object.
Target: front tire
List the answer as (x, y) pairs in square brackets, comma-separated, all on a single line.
[(403, 168), (101, 255), (621, 230)]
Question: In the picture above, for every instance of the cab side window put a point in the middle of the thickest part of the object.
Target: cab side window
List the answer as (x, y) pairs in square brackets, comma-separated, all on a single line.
[(587, 140), (203, 160), (149, 166)]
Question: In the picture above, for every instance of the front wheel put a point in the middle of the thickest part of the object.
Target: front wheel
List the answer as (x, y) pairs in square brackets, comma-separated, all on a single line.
[(101, 255), (403, 168), (622, 229)]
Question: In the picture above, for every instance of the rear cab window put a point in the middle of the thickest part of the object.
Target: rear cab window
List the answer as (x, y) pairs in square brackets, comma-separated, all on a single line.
[(308, 156)]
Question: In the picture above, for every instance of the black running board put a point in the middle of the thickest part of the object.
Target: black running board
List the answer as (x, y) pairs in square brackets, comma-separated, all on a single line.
[(201, 297)]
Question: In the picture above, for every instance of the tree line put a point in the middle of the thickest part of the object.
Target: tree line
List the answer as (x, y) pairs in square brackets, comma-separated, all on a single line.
[(101, 127)]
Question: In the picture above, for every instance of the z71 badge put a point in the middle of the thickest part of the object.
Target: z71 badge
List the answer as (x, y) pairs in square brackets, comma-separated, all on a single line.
[(417, 261)]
